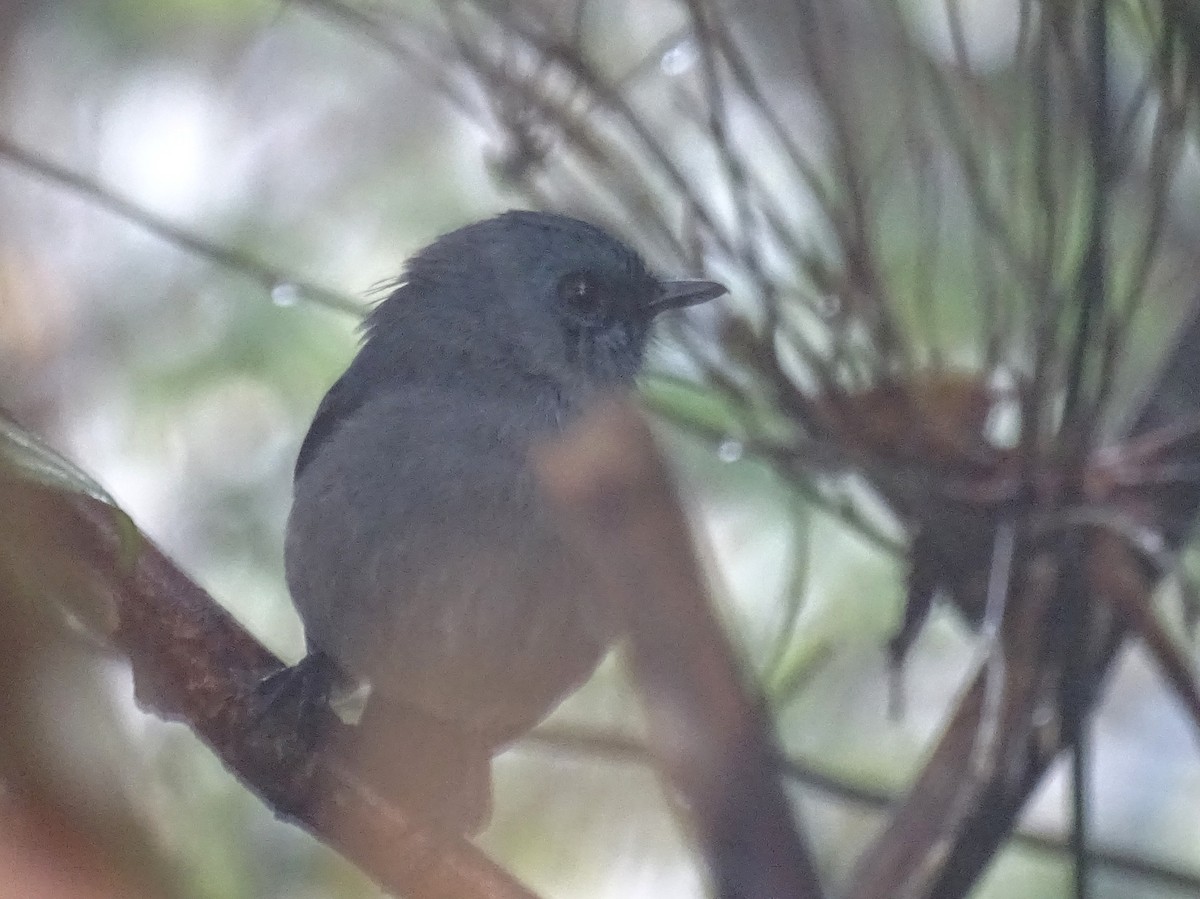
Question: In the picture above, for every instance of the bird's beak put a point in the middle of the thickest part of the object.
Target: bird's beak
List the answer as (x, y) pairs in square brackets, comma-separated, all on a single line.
[(677, 294)]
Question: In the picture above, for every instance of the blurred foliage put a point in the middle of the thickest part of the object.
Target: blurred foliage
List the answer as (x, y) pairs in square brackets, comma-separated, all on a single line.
[(185, 390)]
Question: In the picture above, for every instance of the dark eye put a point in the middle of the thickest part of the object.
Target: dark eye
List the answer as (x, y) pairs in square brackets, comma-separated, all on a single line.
[(579, 291)]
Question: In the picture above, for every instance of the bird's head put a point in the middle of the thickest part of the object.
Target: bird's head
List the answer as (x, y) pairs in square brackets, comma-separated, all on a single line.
[(545, 292)]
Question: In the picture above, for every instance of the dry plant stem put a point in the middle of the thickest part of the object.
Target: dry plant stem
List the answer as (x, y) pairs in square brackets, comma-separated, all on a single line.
[(914, 847), (192, 662), (616, 503), (1116, 578), (599, 745), (950, 864), (932, 837)]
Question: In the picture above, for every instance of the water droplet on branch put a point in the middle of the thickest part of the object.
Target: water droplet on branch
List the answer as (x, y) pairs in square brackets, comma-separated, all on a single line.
[(679, 58), (285, 294), (730, 450)]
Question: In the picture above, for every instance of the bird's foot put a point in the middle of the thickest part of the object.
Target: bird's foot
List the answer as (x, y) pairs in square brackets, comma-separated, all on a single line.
[(299, 696)]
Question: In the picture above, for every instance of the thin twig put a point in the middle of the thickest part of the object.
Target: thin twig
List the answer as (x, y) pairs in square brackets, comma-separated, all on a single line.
[(605, 746), (269, 277)]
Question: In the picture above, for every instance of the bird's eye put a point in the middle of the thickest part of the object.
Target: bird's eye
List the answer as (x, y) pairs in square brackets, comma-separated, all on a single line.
[(579, 291)]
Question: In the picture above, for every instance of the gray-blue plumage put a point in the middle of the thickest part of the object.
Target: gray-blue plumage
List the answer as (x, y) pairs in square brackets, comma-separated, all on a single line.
[(418, 552)]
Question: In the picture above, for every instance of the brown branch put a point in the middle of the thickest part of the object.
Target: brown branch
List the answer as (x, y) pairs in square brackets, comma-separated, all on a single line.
[(192, 662), (1114, 578), (917, 855), (617, 505)]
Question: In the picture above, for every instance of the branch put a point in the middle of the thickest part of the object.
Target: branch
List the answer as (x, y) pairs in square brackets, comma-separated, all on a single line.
[(616, 502), (1116, 578), (192, 662), (604, 746), (269, 277)]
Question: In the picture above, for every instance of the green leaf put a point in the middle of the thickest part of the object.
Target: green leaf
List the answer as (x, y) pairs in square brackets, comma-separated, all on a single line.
[(33, 460), (686, 402), (37, 559)]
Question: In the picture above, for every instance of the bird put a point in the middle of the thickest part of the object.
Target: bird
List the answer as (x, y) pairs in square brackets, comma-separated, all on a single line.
[(419, 554)]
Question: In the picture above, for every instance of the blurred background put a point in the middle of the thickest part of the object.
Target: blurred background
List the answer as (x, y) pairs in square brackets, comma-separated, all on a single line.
[(291, 149)]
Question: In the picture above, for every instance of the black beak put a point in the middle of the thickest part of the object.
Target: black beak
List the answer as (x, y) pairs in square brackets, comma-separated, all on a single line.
[(677, 294)]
